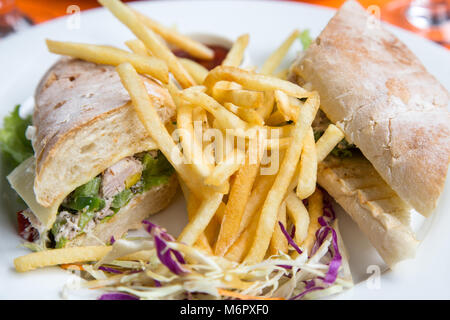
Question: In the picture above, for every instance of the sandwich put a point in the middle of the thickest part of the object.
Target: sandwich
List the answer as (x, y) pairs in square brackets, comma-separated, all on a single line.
[(394, 116), (95, 173)]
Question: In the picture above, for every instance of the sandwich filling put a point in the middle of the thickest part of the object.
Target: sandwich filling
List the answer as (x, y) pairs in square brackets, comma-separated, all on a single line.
[(102, 197), (343, 148)]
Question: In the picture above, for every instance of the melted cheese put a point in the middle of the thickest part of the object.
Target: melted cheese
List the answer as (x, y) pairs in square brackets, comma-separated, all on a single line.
[(22, 181)]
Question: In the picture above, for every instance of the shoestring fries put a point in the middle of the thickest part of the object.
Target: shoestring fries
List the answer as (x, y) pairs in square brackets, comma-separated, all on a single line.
[(232, 125)]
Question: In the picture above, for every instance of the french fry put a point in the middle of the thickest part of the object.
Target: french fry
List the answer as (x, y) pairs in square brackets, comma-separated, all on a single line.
[(225, 91), (240, 247), (284, 106), (261, 187), (299, 216), (278, 144), (315, 208), (194, 48), (266, 108), (248, 115), (154, 67), (222, 172), (253, 81), (308, 167), (146, 112), (200, 118), (277, 56), (212, 230), (221, 86), (137, 47), (72, 255), (237, 199), (199, 115), (202, 218), (192, 205), (326, 143), (186, 129), (226, 118), (279, 243), (282, 181), (276, 118), (191, 146), (196, 70), (236, 53), (150, 40), (284, 131)]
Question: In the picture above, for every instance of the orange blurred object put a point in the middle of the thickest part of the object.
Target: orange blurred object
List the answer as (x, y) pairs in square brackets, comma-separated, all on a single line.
[(43, 10), (391, 11)]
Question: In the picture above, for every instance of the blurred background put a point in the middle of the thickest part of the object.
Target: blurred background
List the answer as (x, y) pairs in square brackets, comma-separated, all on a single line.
[(428, 18)]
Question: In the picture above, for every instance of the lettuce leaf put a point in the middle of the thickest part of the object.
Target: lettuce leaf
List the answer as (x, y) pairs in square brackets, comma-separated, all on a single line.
[(305, 39), (13, 143), (156, 171)]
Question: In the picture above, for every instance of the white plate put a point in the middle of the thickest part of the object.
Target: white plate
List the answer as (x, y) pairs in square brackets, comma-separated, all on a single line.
[(24, 59)]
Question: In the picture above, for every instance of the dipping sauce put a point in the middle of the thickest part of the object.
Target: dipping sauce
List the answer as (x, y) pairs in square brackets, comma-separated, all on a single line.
[(220, 53)]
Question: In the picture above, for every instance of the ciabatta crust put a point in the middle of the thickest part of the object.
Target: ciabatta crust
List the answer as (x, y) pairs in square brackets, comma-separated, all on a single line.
[(374, 88), (85, 123), (131, 216), (373, 205)]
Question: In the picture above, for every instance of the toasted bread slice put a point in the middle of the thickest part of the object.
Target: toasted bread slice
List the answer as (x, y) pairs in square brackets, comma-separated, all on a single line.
[(373, 205), (85, 123), (385, 101)]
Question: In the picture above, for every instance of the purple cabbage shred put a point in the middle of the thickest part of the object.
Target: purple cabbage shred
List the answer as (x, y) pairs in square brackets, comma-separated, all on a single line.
[(117, 296), (171, 258), (289, 238)]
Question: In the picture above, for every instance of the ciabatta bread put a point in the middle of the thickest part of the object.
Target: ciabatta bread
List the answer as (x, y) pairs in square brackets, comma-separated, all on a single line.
[(85, 123), (377, 210), (374, 88)]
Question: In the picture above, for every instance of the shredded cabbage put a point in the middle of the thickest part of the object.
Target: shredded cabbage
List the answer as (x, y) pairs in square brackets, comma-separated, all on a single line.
[(177, 271)]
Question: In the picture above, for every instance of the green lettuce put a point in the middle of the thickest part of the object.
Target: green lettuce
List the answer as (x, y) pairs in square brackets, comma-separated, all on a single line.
[(13, 143), (121, 199), (156, 171), (86, 197), (305, 39)]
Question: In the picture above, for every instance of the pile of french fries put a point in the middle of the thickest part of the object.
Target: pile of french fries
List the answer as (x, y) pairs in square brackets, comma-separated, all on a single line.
[(243, 146)]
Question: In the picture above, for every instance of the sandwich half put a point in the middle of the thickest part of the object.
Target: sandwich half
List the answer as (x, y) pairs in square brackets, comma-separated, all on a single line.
[(396, 124), (95, 173)]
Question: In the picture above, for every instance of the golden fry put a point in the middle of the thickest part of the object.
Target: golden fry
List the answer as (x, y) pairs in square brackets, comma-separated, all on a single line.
[(150, 40), (194, 48), (277, 192), (253, 81), (279, 243), (315, 208), (113, 56), (299, 216), (137, 47), (146, 112), (275, 58), (237, 199), (222, 172), (326, 143), (236, 53), (308, 167), (71, 255), (202, 218), (248, 115), (196, 70)]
